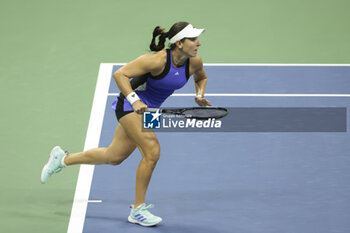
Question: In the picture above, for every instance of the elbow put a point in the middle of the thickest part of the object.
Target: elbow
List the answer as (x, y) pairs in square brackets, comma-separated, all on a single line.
[(116, 74), (120, 75)]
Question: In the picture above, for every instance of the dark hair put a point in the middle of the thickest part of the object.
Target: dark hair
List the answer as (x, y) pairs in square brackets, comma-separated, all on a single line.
[(158, 31)]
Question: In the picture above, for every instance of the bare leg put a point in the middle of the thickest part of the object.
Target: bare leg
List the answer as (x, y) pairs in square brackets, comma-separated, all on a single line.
[(143, 176), (121, 147), (128, 135), (148, 145)]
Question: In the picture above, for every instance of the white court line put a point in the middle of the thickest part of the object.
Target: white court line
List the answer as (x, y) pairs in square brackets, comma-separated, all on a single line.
[(94, 201), (82, 191), (81, 197), (265, 95), (255, 95), (255, 64), (267, 64), (258, 94)]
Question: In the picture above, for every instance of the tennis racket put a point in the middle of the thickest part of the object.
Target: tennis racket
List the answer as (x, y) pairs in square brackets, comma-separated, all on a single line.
[(194, 112)]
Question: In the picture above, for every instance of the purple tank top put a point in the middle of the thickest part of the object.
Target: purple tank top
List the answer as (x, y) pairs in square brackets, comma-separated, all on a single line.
[(153, 90)]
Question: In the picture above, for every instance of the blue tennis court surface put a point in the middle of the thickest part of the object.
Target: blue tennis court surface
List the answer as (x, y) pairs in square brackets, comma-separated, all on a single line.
[(227, 182)]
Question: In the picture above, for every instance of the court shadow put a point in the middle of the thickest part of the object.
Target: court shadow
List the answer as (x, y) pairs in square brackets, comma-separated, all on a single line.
[(181, 228), (122, 224)]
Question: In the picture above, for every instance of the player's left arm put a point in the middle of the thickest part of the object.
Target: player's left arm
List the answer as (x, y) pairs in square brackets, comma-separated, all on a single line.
[(200, 79)]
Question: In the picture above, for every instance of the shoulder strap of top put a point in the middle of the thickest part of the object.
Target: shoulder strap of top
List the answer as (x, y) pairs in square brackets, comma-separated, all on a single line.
[(188, 69)]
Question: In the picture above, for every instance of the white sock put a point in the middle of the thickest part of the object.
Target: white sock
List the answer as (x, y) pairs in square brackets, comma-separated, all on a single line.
[(62, 161)]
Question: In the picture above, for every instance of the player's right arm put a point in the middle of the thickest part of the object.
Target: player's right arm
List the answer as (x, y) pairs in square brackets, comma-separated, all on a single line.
[(148, 63)]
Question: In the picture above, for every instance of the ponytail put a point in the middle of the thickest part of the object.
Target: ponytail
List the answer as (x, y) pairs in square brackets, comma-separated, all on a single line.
[(158, 31)]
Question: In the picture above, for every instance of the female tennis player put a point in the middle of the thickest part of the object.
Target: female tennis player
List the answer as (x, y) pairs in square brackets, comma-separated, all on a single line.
[(154, 77)]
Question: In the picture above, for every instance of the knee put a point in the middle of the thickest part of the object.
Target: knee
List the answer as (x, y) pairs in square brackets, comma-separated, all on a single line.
[(113, 159), (152, 154), (115, 162)]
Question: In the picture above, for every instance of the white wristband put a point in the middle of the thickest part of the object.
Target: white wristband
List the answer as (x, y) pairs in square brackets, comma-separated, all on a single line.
[(132, 98)]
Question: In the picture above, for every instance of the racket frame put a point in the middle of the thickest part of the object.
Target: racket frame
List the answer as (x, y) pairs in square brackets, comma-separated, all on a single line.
[(180, 111)]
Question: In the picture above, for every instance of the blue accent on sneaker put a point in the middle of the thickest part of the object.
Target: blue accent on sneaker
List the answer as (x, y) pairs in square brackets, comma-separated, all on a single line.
[(142, 216)]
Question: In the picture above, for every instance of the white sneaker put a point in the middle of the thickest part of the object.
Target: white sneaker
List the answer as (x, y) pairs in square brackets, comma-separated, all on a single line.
[(142, 216), (54, 164)]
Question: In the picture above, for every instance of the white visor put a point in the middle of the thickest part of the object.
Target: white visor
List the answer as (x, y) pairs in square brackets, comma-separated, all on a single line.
[(188, 32)]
